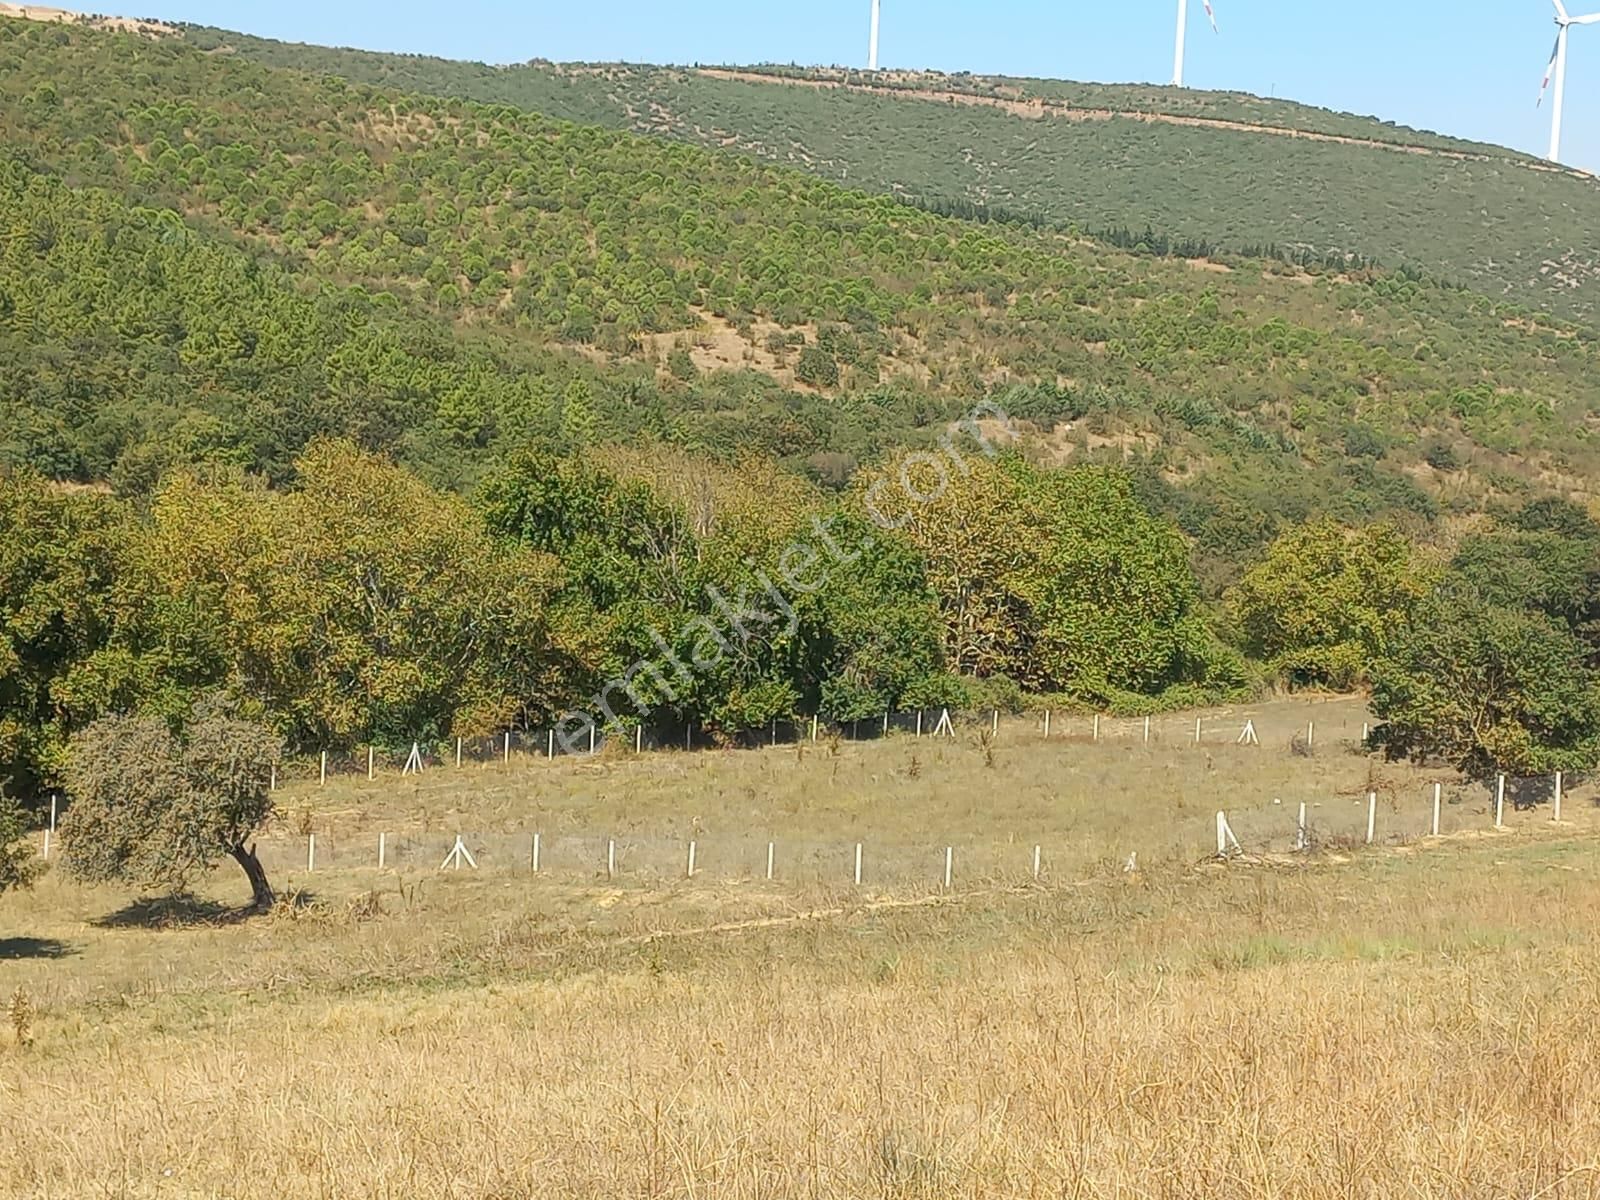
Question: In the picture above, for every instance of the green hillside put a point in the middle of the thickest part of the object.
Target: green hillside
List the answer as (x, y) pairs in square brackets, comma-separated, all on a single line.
[(602, 286), (424, 418), (1103, 157)]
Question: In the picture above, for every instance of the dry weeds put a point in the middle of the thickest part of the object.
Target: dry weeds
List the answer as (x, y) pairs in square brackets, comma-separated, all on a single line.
[(1406, 1021)]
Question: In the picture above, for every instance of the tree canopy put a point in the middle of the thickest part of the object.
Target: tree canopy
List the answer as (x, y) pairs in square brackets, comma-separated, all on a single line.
[(1324, 601), (1497, 668), (156, 808)]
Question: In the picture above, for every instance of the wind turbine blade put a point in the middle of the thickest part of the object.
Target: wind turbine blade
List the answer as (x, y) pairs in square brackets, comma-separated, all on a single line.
[(1561, 11), (1212, 16), (1549, 71), (1589, 20)]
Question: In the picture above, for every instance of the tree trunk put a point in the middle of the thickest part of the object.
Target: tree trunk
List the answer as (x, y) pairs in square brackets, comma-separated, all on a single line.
[(261, 897)]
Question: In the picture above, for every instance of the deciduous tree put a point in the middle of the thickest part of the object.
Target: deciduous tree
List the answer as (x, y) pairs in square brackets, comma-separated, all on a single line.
[(1487, 688), (1323, 602)]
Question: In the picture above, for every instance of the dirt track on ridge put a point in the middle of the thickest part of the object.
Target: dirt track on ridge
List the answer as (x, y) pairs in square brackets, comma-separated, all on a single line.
[(1038, 109)]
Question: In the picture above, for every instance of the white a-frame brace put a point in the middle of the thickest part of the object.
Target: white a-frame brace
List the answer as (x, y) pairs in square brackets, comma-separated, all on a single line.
[(458, 854), (413, 761), (1225, 838)]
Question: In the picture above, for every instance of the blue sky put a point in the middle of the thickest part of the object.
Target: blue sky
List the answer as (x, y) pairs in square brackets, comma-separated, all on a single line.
[(1465, 67)]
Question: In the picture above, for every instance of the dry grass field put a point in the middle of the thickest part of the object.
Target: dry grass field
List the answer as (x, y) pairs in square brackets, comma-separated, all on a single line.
[(1409, 1019)]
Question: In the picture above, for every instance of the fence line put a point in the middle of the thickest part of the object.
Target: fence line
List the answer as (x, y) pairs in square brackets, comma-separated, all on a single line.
[(943, 724), (1268, 829)]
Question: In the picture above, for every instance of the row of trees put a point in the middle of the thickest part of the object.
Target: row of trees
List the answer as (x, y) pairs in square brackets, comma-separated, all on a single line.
[(1487, 656), (155, 659), (360, 605)]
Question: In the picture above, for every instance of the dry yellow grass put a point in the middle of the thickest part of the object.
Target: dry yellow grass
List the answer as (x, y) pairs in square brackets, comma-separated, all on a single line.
[(1410, 1020)]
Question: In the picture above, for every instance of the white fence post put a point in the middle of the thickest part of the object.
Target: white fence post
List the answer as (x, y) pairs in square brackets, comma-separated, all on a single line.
[(550, 746), (1372, 815), (369, 764), (1047, 723), (272, 780), (690, 874), (323, 778), (919, 722), (1197, 731), (1499, 802), (508, 746), (858, 864), (1036, 864), (638, 739), (769, 860), (611, 858), (1557, 816), (949, 865), (383, 846), (534, 854), (50, 831), (994, 723), (458, 754), (1147, 731), (311, 852), (591, 737), (1437, 790), (1300, 839), (1311, 734)]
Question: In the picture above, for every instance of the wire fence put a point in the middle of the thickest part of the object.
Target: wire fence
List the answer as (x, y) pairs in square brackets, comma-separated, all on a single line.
[(1275, 826), (1306, 820), (1341, 725)]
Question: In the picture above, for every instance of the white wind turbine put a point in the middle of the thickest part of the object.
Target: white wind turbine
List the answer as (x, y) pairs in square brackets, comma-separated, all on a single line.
[(872, 42), (1183, 36), (1558, 68)]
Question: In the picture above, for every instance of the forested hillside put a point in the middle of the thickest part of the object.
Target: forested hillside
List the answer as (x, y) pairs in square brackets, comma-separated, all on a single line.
[(1214, 168), (389, 416), (603, 285)]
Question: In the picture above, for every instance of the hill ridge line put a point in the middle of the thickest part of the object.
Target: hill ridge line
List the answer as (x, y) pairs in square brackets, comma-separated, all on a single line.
[(1037, 108)]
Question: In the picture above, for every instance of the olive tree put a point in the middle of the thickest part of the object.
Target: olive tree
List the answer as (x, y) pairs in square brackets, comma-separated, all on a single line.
[(157, 808)]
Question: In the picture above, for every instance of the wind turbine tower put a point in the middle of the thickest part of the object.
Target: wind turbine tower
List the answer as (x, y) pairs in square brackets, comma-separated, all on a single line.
[(872, 42), (1183, 37), (1558, 68)]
